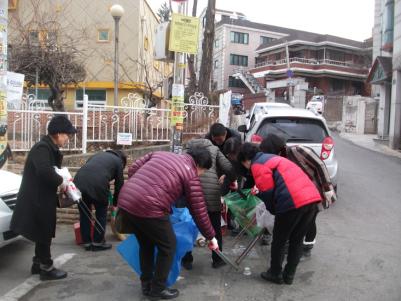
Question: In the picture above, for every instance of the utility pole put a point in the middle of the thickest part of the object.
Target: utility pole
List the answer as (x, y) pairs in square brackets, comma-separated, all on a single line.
[(4, 147)]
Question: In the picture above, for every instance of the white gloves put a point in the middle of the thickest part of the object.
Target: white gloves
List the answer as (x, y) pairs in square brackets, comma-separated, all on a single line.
[(68, 185), (64, 173), (213, 245), (330, 196)]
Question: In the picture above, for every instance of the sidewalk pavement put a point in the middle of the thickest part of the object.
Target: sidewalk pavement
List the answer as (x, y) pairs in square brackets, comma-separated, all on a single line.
[(368, 141)]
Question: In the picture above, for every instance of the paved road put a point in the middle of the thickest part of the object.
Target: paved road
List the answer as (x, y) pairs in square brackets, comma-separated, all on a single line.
[(357, 256)]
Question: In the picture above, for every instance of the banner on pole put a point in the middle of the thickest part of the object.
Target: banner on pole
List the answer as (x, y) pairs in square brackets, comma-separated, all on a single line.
[(15, 86), (177, 106)]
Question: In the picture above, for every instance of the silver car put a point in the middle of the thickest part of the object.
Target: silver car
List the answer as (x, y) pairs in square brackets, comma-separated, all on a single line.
[(299, 127), (9, 186)]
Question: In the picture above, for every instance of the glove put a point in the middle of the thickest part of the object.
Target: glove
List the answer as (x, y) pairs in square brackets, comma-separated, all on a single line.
[(213, 245), (64, 185), (64, 173), (233, 186), (254, 190), (330, 196)]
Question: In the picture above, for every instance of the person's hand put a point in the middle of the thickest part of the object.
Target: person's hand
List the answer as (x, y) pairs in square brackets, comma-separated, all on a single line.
[(254, 190), (221, 179), (330, 196), (64, 185), (213, 245), (233, 186)]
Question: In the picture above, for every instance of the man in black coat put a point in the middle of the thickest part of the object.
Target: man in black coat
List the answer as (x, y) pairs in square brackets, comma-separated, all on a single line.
[(219, 134), (93, 180), (34, 215)]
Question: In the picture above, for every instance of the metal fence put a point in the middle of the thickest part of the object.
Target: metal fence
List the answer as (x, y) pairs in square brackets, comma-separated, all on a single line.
[(102, 123)]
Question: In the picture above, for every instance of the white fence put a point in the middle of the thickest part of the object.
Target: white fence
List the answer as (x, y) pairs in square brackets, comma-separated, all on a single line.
[(102, 123)]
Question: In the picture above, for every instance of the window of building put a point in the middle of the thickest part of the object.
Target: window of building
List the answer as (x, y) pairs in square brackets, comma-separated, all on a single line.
[(239, 37), (43, 93), (216, 64), (336, 56), (12, 4), (95, 97), (238, 60), (337, 85), (278, 56), (42, 37), (265, 40), (235, 82), (103, 35), (216, 43)]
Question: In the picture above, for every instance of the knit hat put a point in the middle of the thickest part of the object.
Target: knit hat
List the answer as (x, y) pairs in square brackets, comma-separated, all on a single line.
[(61, 124)]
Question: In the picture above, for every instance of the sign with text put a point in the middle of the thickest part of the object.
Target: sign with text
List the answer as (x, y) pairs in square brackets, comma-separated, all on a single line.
[(15, 86), (124, 138), (184, 34)]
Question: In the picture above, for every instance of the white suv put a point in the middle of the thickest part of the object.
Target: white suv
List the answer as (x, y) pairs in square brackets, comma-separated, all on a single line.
[(297, 126), (9, 186), (261, 108)]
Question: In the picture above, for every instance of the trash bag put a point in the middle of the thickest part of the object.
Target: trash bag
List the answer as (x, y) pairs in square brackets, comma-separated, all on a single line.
[(186, 233), (264, 219), (243, 208)]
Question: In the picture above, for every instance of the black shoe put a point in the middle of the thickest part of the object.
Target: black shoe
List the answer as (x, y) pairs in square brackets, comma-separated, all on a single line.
[(146, 288), (268, 276), (88, 247), (306, 252), (35, 269), (288, 279), (218, 264), (187, 265), (53, 274), (101, 247), (168, 293)]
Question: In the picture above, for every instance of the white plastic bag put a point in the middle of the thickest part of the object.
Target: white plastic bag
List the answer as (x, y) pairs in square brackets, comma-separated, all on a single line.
[(264, 219), (71, 190)]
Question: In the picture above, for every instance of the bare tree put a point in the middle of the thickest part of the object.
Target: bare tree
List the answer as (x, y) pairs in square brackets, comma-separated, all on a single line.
[(207, 49), (43, 50), (164, 12), (152, 81), (192, 85)]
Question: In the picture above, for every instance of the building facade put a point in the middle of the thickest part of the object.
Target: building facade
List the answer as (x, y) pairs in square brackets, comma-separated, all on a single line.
[(92, 21), (385, 74), (328, 65)]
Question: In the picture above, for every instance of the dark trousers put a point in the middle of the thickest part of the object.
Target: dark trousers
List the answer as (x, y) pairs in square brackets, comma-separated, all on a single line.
[(43, 255), (215, 219), (151, 233), (291, 226), (310, 236), (85, 222)]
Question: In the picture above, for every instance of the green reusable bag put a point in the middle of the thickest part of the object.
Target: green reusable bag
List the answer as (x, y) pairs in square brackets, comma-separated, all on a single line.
[(243, 207)]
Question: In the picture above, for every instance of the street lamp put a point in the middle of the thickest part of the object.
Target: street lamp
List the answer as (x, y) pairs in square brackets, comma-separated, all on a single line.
[(117, 12)]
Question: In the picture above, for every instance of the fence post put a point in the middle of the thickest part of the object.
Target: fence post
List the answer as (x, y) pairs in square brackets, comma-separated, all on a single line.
[(85, 124)]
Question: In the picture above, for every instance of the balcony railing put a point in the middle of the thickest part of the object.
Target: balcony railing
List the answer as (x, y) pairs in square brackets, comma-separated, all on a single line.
[(310, 62)]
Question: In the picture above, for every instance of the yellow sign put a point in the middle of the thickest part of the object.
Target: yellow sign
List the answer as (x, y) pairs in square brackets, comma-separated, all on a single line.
[(184, 34)]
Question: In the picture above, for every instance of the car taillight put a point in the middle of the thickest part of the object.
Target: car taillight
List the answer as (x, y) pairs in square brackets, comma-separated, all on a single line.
[(327, 147), (256, 139)]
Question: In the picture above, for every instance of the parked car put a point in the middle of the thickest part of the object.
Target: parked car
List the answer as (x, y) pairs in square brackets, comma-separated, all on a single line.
[(316, 104), (9, 186), (299, 127), (260, 108)]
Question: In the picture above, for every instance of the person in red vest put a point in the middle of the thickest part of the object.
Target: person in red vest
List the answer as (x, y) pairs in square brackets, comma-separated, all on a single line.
[(292, 197)]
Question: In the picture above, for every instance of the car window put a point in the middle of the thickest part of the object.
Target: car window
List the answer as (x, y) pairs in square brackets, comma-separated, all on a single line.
[(294, 129)]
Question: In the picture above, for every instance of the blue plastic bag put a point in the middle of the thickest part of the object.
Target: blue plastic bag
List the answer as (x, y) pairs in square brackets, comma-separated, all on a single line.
[(186, 233)]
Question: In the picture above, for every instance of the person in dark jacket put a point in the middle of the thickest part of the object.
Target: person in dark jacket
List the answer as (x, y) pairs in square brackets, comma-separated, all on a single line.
[(211, 190), (34, 215), (219, 134), (292, 197), (154, 183), (93, 180)]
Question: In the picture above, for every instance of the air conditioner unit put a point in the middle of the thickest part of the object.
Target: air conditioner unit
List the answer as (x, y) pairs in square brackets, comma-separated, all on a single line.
[(161, 52)]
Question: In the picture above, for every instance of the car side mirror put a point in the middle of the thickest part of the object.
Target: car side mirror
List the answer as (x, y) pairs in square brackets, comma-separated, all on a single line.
[(242, 128)]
